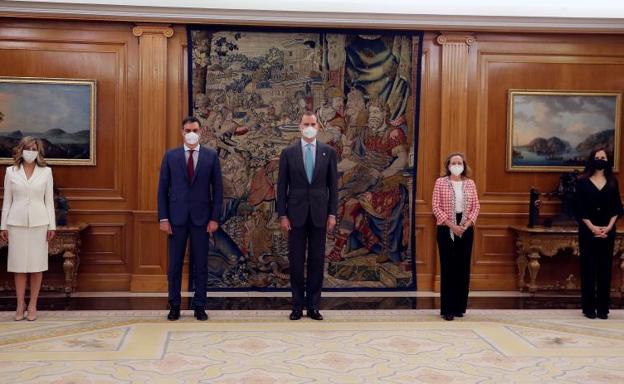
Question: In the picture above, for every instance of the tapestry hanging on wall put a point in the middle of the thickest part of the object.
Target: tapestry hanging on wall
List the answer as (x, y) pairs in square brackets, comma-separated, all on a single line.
[(249, 88)]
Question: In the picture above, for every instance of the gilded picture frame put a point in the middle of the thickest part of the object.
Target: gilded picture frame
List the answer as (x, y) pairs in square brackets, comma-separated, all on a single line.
[(554, 131), (61, 112)]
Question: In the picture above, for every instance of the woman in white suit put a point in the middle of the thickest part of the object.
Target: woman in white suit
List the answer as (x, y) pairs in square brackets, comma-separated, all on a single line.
[(28, 220)]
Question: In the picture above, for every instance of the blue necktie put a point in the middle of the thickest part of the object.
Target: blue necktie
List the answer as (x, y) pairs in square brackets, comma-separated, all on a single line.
[(309, 162)]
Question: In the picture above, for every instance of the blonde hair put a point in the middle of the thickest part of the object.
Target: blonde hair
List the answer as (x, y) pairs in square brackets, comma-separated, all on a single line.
[(18, 160), (447, 162)]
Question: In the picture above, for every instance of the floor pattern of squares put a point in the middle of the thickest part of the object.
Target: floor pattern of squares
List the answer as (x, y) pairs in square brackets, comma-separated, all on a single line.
[(262, 347)]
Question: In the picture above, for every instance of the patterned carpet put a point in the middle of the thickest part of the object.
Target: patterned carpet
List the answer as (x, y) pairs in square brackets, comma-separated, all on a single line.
[(262, 347)]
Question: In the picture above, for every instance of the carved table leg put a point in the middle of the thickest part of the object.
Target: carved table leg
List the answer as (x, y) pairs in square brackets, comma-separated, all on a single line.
[(76, 264), (534, 267), (522, 263), (69, 267), (622, 274)]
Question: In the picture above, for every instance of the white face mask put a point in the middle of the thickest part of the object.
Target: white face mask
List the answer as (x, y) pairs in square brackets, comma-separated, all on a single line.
[(29, 156), (456, 170), (191, 138), (310, 132)]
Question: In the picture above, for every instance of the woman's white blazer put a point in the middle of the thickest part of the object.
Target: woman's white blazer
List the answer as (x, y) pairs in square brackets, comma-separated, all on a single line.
[(28, 202)]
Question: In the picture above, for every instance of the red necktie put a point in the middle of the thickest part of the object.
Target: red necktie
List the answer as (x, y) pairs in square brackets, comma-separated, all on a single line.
[(190, 166)]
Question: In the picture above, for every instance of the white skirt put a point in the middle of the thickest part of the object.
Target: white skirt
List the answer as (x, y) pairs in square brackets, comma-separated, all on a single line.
[(28, 249)]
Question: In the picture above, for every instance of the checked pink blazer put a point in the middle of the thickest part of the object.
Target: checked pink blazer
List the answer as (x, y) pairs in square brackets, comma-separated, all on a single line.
[(443, 201)]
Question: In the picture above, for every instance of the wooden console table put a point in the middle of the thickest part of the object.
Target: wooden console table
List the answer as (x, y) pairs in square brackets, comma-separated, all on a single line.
[(67, 243), (533, 243)]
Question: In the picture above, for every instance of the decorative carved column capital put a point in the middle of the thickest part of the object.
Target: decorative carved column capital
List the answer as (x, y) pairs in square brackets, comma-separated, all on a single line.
[(153, 29), (455, 38)]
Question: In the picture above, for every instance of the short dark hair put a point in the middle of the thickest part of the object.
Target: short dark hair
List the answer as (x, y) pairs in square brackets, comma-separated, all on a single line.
[(190, 120), (308, 113)]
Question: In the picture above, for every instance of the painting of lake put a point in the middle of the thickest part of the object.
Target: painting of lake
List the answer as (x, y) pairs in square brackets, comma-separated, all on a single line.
[(556, 131), (60, 112)]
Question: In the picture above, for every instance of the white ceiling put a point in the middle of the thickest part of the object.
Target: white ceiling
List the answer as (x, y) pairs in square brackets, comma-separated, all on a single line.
[(538, 15)]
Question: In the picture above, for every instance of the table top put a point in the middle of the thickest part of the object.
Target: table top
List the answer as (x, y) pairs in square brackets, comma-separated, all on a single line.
[(68, 231), (79, 227), (555, 230)]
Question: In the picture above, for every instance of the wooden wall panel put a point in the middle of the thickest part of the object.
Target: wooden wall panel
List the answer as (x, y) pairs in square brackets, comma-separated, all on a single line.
[(103, 244), (102, 195), (508, 61), (104, 52), (428, 167), (150, 268), (539, 70), (150, 245), (463, 107), (106, 258)]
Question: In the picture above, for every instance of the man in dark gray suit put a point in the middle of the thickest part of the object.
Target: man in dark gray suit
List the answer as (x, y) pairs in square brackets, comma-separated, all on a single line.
[(307, 201)]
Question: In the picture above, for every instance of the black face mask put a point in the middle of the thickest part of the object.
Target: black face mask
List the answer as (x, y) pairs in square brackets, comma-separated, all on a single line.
[(600, 164)]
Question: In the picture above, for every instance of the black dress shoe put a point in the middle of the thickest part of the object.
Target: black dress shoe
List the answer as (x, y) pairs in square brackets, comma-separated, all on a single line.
[(448, 317), (603, 316), (200, 314), (314, 314), (590, 315), (296, 314), (459, 314), (174, 313)]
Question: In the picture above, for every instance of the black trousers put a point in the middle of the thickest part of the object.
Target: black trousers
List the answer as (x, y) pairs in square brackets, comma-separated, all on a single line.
[(306, 289), (596, 262), (455, 269), (199, 239)]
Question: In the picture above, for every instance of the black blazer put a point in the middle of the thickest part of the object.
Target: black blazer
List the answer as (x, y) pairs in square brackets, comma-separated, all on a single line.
[(296, 196), (598, 206)]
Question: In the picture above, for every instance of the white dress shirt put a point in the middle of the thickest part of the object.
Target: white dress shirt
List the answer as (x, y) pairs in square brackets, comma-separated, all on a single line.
[(195, 154), (459, 195)]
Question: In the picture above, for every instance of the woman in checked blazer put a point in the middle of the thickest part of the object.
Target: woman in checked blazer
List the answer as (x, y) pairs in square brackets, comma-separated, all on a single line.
[(28, 220), (456, 207)]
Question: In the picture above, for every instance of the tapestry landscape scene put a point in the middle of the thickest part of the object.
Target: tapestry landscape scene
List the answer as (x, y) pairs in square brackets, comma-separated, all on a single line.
[(249, 90)]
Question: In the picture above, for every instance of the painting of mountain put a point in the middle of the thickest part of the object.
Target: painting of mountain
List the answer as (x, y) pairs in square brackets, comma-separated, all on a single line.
[(60, 112), (556, 131)]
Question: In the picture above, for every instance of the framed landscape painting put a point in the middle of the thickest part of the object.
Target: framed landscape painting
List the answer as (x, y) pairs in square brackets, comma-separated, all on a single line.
[(60, 112), (554, 131)]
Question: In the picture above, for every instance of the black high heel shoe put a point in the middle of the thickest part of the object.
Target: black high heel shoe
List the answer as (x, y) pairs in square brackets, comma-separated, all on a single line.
[(590, 315)]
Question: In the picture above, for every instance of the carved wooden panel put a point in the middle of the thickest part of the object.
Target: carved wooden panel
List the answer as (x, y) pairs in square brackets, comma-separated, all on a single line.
[(463, 106)]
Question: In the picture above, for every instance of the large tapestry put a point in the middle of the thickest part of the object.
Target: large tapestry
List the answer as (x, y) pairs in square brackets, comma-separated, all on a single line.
[(249, 89)]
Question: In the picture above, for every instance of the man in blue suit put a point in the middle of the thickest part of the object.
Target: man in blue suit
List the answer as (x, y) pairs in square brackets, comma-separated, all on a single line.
[(190, 196)]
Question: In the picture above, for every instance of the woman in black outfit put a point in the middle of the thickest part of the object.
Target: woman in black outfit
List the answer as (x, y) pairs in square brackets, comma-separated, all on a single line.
[(598, 207)]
